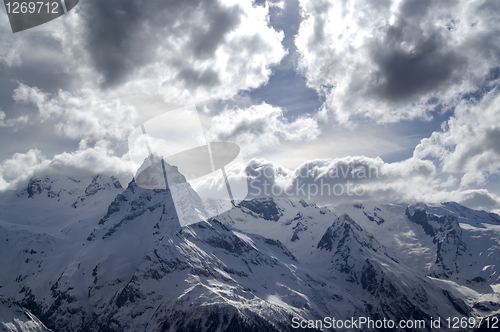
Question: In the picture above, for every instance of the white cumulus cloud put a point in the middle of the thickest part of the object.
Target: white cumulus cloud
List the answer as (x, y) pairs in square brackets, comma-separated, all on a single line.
[(261, 126), (356, 179), (469, 143), (86, 114), (13, 122)]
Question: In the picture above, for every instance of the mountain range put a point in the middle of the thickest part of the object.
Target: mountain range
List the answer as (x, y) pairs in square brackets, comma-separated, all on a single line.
[(88, 255)]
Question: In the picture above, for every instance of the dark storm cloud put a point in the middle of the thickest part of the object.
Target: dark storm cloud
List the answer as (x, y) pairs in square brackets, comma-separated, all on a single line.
[(111, 25), (493, 139), (193, 78), (204, 42), (123, 35), (415, 8), (385, 61), (405, 74)]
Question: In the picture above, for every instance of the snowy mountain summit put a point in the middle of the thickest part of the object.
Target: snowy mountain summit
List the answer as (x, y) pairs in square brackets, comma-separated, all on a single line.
[(84, 254)]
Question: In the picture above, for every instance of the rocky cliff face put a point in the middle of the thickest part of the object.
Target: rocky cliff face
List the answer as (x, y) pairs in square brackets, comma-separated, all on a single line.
[(446, 233), (14, 318)]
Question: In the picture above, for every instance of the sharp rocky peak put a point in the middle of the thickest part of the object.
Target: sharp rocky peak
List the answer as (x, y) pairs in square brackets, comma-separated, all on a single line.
[(51, 186), (99, 182), (345, 232)]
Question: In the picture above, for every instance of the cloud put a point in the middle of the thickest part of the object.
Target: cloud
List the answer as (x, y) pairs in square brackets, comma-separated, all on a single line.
[(184, 50), (9, 54), (323, 181), (83, 70), (20, 166), (469, 143), (341, 180), (260, 126), (87, 161), (479, 199), (394, 60), (355, 179), (99, 159), (20, 121), (86, 114), (387, 62), (9, 46)]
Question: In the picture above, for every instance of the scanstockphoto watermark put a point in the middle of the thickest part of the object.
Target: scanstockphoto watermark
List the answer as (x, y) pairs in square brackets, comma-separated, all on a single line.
[(309, 190), (361, 323), (334, 172), (341, 172), (343, 180)]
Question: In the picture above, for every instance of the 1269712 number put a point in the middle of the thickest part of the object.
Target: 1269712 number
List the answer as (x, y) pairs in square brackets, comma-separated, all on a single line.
[(32, 7), (473, 322)]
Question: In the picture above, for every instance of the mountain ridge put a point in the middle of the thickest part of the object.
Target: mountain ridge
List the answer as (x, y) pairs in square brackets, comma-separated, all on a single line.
[(257, 265)]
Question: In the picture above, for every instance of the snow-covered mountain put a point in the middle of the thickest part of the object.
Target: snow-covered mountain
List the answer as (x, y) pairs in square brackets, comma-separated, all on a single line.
[(14, 318), (455, 247), (447, 241), (88, 255)]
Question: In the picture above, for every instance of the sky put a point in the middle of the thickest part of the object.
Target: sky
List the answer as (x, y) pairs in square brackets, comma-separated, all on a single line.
[(305, 88)]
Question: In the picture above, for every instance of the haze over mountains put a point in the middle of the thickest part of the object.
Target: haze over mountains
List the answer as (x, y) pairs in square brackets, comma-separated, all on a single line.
[(88, 255)]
